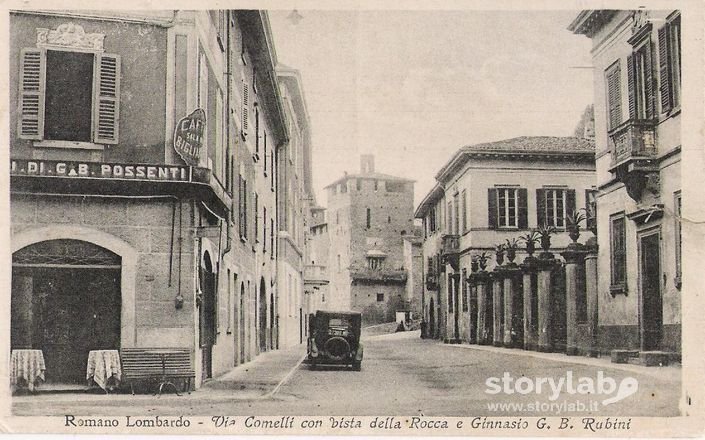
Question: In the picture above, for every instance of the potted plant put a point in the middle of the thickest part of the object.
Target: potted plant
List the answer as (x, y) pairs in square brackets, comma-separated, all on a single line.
[(499, 254), (474, 264), (482, 260), (511, 247), (573, 221), (545, 231), (531, 238)]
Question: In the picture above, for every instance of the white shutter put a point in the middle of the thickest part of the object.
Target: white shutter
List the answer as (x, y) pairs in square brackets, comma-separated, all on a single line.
[(32, 88), (106, 107)]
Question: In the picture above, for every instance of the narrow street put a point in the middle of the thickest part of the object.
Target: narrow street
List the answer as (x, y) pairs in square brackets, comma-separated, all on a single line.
[(401, 375)]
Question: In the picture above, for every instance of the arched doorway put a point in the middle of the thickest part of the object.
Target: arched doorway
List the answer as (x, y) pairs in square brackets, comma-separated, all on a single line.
[(242, 323), (66, 300), (207, 314), (262, 315), (272, 337)]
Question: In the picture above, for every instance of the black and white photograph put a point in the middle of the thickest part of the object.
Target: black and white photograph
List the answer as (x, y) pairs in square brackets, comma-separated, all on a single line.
[(354, 219)]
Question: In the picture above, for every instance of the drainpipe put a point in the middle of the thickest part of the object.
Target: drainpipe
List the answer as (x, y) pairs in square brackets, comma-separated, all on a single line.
[(228, 78)]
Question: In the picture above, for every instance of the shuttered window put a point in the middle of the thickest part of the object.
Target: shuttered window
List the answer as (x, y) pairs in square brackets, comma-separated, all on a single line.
[(245, 108), (669, 42), (618, 251), (554, 205), (507, 208), (614, 95), (640, 82), (464, 198), (69, 96), (256, 216)]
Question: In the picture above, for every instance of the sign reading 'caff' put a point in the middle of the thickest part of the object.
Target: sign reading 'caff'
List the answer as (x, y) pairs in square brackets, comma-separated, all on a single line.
[(188, 136)]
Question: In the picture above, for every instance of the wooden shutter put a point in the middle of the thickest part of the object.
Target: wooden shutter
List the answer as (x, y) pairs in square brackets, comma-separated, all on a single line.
[(32, 88), (522, 208), (631, 86), (540, 207), (245, 107), (492, 207), (614, 96), (106, 103), (649, 81), (663, 64), (570, 201)]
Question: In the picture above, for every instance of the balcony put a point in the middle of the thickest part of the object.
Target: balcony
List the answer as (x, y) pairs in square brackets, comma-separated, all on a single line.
[(316, 272), (375, 276), (634, 156), (450, 250)]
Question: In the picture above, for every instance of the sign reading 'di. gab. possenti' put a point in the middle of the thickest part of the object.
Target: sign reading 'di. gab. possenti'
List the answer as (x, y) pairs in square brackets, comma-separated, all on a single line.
[(188, 136)]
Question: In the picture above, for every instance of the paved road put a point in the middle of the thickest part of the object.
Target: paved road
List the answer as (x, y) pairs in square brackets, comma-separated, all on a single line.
[(401, 375)]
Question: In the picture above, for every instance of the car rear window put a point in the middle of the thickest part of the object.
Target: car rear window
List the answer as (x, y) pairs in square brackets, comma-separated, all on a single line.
[(338, 322)]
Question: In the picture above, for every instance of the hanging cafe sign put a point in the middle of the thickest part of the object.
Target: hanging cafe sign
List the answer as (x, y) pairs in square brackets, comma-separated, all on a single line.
[(97, 170), (188, 136)]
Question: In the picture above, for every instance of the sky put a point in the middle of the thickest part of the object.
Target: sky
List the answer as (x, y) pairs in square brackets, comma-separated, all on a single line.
[(412, 87)]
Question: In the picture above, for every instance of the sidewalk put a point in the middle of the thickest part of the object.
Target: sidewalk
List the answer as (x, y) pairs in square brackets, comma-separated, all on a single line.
[(257, 379), (260, 377), (671, 372)]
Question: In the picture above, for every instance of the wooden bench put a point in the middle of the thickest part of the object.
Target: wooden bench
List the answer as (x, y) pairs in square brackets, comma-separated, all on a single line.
[(141, 364)]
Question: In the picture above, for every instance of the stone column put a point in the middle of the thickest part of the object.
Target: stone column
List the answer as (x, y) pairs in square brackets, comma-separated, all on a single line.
[(529, 268), (510, 312), (482, 280), (591, 294), (497, 307), (545, 318), (472, 313), (574, 257)]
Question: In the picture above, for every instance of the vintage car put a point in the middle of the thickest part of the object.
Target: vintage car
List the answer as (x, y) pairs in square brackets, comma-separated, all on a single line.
[(335, 339)]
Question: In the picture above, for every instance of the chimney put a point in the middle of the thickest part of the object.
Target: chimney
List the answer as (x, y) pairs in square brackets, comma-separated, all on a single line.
[(367, 163)]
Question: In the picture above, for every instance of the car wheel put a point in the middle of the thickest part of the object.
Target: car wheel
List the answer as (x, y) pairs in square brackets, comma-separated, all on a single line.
[(313, 366), (357, 366)]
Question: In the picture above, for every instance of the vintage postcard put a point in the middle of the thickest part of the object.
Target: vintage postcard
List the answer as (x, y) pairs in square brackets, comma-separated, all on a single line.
[(327, 218)]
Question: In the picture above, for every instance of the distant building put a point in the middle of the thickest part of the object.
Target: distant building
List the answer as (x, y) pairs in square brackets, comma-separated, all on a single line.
[(316, 275), (485, 195), (369, 214), (637, 67), (294, 192)]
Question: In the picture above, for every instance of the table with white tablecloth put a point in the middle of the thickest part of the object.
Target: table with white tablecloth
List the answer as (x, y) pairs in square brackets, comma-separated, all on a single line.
[(102, 366), (26, 366)]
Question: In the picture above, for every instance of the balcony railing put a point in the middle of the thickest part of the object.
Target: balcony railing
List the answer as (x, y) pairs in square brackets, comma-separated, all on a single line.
[(450, 250), (316, 272), (634, 139)]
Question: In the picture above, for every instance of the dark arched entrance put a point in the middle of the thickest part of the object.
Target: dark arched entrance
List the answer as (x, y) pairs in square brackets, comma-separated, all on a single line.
[(65, 301), (207, 315), (272, 337), (242, 323), (432, 319), (262, 315)]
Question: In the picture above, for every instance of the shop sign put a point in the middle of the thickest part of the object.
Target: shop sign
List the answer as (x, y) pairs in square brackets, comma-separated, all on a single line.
[(188, 136), (20, 167)]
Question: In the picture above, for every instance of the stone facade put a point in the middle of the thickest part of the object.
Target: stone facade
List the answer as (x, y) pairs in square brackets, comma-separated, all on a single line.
[(369, 214)]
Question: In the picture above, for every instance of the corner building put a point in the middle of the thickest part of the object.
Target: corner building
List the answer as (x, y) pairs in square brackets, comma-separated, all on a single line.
[(637, 64), (118, 240)]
